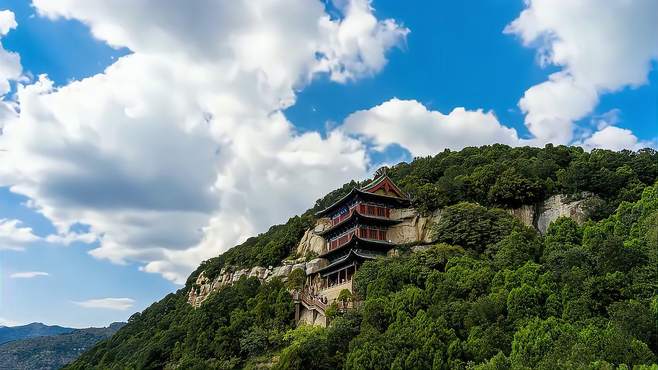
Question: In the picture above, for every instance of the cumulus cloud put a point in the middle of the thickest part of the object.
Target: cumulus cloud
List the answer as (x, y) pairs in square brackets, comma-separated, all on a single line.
[(172, 154), (28, 274), (119, 304), (10, 68), (357, 46), (423, 132), (14, 236), (10, 63), (601, 46), (614, 138)]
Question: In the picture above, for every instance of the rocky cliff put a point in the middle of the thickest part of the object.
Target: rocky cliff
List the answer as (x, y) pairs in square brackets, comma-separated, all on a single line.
[(203, 286), (541, 215), (413, 228)]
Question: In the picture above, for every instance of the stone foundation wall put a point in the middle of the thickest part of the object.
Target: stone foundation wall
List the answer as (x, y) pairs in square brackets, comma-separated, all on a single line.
[(311, 317)]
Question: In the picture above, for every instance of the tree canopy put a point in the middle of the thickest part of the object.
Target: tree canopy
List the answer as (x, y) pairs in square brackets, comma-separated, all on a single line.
[(491, 294)]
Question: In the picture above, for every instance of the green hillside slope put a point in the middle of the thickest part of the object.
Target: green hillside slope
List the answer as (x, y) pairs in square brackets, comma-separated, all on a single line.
[(491, 293)]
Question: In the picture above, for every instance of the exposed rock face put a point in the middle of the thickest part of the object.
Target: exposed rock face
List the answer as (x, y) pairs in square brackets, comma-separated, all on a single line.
[(540, 216), (525, 214), (314, 265), (203, 286), (413, 228), (281, 272), (559, 206), (199, 291), (311, 242)]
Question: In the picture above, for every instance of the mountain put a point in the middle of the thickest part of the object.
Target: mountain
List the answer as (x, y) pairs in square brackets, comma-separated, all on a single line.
[(488, 291), (35, 329), (52, 351)]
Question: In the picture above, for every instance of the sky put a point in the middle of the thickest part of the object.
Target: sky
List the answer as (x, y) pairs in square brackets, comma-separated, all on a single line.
[(141, 137)]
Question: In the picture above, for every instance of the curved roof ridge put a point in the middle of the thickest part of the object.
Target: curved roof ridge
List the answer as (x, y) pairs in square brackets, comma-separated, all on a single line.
[(366, 190)]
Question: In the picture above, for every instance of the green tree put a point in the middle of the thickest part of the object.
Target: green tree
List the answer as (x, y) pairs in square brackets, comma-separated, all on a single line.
[(296, 279), (513, 190), (472, 226)]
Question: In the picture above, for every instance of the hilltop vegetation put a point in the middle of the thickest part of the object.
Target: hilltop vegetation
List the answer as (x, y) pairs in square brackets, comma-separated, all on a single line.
[(490, 294), (579, 297), (492, 176)]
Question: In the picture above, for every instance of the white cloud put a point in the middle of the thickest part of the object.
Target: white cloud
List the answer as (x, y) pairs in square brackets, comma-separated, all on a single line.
[(357, 46), (119, 304), (180, 150), (7, 21), (10, 67), (552, 106), (13, 236), (614, 138), (423, 132), (602, 46), (28, 274), (10, 63)]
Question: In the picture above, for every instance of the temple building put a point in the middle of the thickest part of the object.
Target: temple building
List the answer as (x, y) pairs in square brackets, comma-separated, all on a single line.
[(357, 231)]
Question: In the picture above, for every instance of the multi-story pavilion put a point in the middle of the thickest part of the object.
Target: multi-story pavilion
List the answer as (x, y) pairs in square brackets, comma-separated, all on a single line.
[(359, 224)]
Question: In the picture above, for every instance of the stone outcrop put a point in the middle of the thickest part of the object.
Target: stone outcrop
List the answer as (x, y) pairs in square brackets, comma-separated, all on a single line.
[(560, 206), (203, 286), (200, 290), (541, 215), (525, 214), (413, 228), (311, 242), (314, 265)]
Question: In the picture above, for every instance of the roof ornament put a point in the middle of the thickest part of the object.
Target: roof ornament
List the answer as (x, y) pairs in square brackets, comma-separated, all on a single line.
[(381, 172)]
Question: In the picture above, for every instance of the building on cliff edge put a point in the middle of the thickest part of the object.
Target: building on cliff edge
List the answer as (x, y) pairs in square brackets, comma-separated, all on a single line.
[(357, 232)]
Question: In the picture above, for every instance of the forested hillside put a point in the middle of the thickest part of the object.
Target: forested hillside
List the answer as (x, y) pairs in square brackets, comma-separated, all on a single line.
[(490, 294)]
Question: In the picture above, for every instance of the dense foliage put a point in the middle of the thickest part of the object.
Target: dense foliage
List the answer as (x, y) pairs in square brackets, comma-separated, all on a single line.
[(498, 175), (239, 322), (51, 351), (494, 175), (506, 297), (492, 293)]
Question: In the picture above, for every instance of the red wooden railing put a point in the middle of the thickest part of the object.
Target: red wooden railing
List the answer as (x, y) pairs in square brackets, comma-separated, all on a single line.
[(364, 209), (361, 232)]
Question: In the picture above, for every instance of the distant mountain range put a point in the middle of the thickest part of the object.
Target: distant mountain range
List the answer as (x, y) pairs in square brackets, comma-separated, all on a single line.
[(35, 329), (41, 347)]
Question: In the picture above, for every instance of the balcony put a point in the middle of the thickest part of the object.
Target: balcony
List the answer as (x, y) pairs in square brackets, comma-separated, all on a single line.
[(361, 232), (364, 209)]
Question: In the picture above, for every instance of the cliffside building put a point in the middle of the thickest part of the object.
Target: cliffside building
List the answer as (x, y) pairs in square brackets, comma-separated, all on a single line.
[(357, 232)]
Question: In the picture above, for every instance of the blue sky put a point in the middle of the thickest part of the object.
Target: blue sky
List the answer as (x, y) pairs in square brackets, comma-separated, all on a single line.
[(453, 54)]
